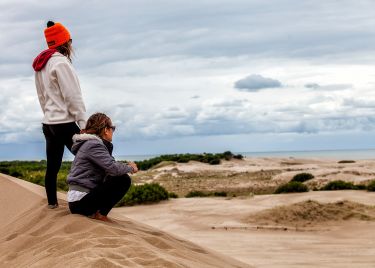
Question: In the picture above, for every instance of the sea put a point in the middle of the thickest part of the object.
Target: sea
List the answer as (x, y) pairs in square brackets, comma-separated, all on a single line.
[(317, 154), (357, 154)]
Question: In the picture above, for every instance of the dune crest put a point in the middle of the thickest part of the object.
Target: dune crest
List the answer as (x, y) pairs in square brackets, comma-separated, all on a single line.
[(33, 236), (311, 212)]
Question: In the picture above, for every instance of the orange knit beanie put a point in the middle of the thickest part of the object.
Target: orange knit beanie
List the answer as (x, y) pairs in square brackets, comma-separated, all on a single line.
[(56, 34)]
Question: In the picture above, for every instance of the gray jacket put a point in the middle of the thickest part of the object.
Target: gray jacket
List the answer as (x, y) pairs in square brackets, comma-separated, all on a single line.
[(92, 163)]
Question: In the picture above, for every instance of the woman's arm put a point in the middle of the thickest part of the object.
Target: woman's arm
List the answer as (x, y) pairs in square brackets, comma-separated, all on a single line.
[(97, 153)]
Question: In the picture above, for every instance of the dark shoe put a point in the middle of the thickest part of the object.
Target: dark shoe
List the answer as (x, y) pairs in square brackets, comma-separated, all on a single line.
[(53, 206)]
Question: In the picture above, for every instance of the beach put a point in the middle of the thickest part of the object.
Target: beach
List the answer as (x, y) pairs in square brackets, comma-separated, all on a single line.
[(250, 227)]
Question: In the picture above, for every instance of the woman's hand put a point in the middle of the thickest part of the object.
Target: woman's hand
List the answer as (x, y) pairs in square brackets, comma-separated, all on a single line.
[(134, 167)]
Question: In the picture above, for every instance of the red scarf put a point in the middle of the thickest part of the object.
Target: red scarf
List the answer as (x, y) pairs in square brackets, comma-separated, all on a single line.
[(41, 60)]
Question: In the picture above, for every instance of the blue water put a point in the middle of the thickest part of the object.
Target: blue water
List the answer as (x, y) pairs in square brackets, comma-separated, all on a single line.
[(326, 154)]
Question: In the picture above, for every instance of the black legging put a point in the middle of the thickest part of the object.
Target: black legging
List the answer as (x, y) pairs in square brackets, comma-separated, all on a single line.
[(103, 198), (57, 137)]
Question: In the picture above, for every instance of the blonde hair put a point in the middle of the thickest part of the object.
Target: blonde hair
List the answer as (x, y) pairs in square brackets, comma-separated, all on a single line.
[(67, 50)]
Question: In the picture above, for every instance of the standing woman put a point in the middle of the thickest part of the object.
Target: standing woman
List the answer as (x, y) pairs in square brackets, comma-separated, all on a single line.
[(61, 101)]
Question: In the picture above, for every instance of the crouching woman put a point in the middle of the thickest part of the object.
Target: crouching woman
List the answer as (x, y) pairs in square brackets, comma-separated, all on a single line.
[(96, 180)]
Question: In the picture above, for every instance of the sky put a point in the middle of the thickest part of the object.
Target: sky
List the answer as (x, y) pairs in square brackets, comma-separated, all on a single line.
[(200, 76)]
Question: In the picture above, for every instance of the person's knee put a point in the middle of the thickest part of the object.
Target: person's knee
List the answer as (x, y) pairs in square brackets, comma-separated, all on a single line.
[(125, 181), (122, 182)]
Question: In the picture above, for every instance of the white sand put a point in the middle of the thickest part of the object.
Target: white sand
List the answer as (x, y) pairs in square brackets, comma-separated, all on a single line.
[(33, 236), (168, 234), (341, 244)]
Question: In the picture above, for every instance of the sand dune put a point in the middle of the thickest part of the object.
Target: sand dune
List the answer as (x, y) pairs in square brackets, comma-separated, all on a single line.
[(313, 229), (223, 225), (254, 175), (33, 236), (313, 213)]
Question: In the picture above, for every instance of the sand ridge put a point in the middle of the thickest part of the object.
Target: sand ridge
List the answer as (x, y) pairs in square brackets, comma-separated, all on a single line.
[(34, 236), (312, 213), (217, 223), (346, 240), (254, 175)]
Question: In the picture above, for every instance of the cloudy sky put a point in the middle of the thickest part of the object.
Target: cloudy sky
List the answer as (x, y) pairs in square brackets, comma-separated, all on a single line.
[(200, 76)]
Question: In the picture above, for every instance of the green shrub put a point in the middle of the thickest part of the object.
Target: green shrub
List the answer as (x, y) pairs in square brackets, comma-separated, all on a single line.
[(33, 171), (4, 170), (346, 161), (224, 194), (228, 155), (183, 159), (172, 195), (215, 161), (196, 194), (301, 177), (360, 187), (292, 187), (62, 185), (37, 179), (15, 173), (238, 156), (371, 186), (339, 185), (144, 194)]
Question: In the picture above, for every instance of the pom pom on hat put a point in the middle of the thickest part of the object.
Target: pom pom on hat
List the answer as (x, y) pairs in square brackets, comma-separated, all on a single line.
[(50, 23), (56, 34)]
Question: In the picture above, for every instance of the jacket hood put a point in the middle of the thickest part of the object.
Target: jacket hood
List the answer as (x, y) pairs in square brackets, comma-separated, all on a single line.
[(80, 139), (41, 60)]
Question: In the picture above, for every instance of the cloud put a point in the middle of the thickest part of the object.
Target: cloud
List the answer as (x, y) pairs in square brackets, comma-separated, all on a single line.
[(167, 71), (20, 114), (359, 103), (329, 87), (312, 85), (256, 82)]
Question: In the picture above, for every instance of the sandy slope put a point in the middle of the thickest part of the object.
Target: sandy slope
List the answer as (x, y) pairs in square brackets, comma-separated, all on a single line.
[(33, 236), (221, 225)]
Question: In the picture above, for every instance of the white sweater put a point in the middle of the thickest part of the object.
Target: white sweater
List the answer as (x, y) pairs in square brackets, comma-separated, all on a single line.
[(59, 92)]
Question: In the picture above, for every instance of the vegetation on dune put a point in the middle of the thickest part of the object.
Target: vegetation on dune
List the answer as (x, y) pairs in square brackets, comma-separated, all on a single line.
[(346, 161), (309, 213), (221, 194), (342, 185), (144, 194), (292, 187), (212, 159), (205, 194), (302, 177), (371, 186), (172, 195), (176, 182), (196, 194), (34, 171)]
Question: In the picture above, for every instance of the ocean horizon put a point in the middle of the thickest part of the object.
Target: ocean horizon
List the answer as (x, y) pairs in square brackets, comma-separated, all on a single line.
[(348, 154)]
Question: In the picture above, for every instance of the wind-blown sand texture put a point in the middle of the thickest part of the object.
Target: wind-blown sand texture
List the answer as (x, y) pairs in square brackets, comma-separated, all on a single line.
[(312, 229), (230, 227), (33, 236)]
